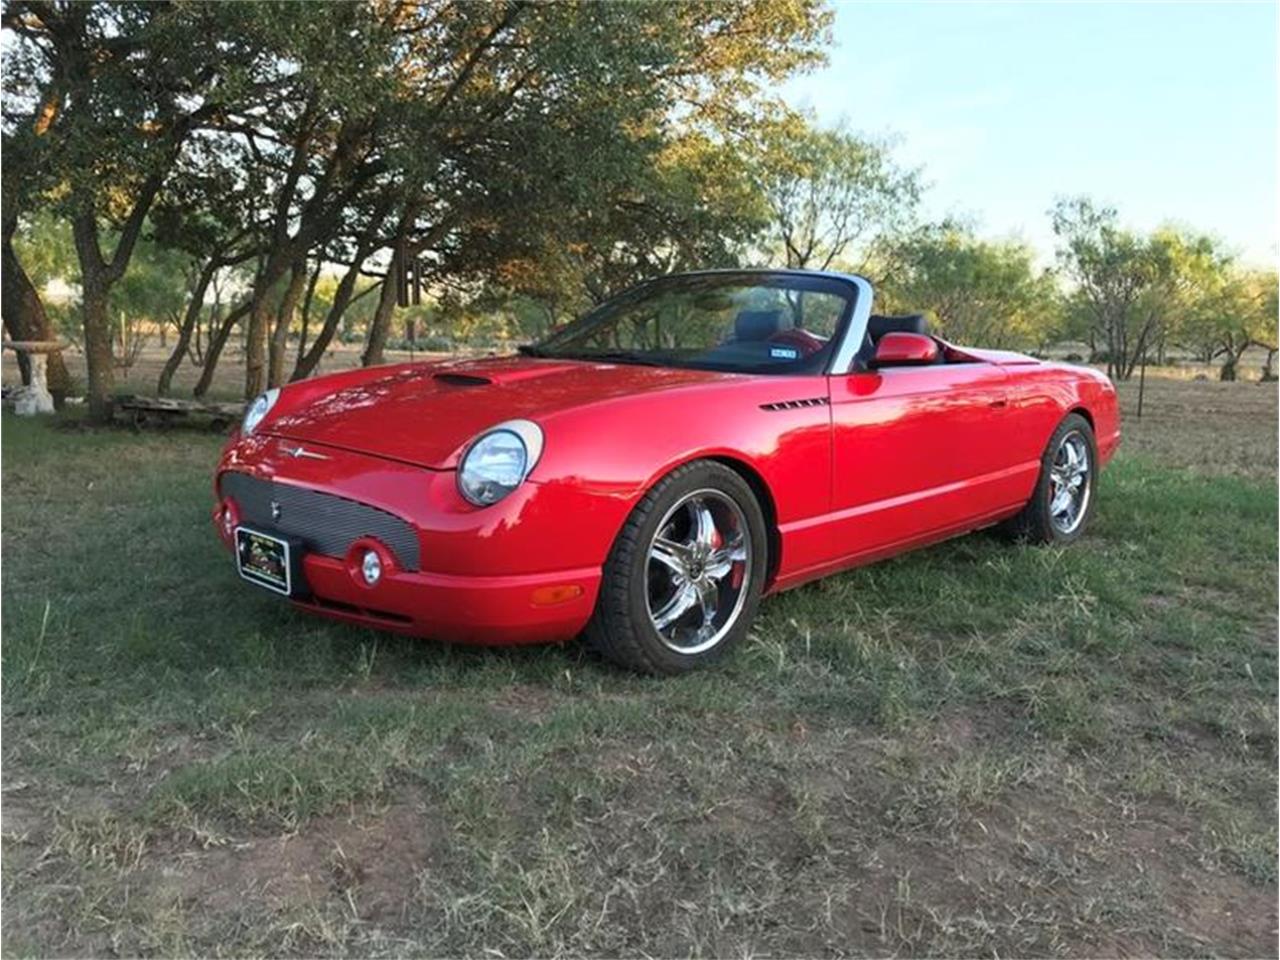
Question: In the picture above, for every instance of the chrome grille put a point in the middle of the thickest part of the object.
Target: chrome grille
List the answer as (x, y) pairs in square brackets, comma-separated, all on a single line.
[(326, 523)]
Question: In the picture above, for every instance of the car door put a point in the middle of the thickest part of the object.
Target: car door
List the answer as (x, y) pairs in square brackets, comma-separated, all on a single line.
[(918, 453)]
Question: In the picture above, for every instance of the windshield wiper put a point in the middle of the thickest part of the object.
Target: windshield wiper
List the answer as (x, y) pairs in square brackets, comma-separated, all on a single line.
[(600, 356), (623, 356)]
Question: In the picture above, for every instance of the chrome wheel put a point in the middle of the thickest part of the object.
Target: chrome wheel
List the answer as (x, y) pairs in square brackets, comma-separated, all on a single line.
[(698, 570), (1070, 483)]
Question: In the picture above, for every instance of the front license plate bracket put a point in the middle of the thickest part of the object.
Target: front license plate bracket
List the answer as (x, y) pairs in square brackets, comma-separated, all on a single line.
[(270, 561)]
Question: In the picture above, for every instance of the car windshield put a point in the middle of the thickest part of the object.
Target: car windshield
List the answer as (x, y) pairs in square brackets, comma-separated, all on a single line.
[(747, 323)]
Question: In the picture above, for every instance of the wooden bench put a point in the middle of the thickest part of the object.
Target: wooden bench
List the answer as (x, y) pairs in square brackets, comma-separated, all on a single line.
[(142, 410)]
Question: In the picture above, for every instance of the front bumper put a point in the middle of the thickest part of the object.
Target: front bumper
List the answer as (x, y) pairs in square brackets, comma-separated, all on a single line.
[(493, 610), (506, 574)]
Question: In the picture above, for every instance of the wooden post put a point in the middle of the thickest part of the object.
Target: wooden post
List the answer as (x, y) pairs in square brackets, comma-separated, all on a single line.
[(400, 267), (1142, 382)]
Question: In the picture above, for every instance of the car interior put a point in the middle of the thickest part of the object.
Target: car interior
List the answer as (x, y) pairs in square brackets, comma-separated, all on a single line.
[(767, 335), (759, 327)]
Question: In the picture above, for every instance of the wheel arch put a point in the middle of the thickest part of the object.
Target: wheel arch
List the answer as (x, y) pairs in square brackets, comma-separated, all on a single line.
[(764, 497), (1083, 411), (754, 479)]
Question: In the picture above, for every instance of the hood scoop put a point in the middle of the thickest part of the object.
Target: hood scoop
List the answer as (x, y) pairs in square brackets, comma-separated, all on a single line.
[(462, 379)]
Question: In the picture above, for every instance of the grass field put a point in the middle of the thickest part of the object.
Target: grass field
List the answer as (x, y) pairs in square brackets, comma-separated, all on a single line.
[(974, 749)]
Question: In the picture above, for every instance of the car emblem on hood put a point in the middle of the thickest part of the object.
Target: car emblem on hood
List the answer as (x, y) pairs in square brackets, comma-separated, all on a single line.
[(275, 510), (297, 452)]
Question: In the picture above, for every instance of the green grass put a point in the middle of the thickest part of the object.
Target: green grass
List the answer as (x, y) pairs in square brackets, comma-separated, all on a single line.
[(976, 748)]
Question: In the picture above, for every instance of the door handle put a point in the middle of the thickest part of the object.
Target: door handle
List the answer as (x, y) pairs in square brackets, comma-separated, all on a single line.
[(999, 403)]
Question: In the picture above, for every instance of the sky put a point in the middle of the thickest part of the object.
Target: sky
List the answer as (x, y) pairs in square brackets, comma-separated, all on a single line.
[(1166, 111)]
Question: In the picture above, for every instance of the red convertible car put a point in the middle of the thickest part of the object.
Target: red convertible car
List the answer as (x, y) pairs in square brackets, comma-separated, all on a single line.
[(644, 475)]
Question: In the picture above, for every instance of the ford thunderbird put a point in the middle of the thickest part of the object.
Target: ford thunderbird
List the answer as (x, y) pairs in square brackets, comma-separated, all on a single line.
[(643, 476)]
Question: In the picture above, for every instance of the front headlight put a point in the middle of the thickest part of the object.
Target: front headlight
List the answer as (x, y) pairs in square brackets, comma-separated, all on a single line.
[(258, 410), (498, 461)]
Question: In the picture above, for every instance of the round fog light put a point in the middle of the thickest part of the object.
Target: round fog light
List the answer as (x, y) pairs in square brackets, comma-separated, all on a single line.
[(371, 567)]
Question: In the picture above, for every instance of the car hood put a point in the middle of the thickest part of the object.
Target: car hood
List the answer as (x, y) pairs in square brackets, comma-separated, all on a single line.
[(425, 413)]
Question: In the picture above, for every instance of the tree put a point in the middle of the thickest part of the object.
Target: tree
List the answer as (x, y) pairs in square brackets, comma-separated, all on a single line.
[(23, 308), (830, 194), (692, 206), (1268, 314), (1237, 313), (978, 292), (25, 316), (203, 215), (111, 92), (467, 139), (150, 296), (1123, 282)]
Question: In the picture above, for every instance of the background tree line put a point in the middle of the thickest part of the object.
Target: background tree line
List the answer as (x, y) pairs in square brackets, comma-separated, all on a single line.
[(269, 171)]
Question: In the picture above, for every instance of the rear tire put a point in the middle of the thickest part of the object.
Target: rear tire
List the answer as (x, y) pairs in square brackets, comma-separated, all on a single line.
[(684, 577), (1062, 503)]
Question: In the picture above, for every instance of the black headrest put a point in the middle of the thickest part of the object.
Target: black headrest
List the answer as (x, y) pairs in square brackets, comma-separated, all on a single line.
[(757, 324), (879, 324)]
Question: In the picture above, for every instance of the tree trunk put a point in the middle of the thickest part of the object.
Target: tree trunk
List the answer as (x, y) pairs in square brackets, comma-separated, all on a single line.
[(97, 276), (97, 346), (307, 300), (341, 299), (381, 323), (366, 243), (284, 317), (189, 321), (1231, 366), (214, 350), (25, 317), (1268, 370), (255, 346)]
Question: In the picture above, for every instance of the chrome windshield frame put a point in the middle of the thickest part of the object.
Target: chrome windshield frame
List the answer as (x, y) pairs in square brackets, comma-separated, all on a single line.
[(855, 330)]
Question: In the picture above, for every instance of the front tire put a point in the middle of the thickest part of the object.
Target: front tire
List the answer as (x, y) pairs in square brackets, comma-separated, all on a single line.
[(1062, 503), (683, 580)]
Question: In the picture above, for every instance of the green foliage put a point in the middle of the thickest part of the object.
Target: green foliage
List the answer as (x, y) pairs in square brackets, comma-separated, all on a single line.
[(830, 193), (477, 138), (47, 251), (529, 159), (978, 292), (1126, 285), (1135, 293)]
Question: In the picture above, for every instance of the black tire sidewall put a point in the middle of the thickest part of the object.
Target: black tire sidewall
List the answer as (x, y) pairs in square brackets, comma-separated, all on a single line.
[(698, 475), (1072, 423)]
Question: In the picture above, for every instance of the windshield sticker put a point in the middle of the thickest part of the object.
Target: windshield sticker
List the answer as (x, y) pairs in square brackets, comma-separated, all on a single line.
[(783, 353)]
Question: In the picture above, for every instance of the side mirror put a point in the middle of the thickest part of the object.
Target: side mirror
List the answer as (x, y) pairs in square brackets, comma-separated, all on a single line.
[(902, 349)]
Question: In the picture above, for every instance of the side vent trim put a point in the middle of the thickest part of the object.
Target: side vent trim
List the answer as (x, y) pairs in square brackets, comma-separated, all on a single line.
[(795, 404)]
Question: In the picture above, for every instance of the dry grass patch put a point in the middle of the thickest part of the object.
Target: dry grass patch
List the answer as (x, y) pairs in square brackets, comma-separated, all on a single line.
[(974, 749)]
